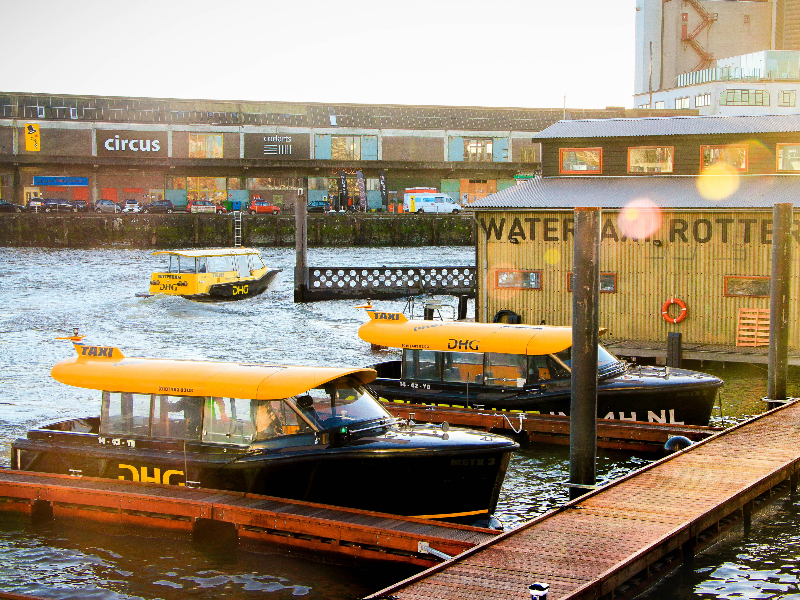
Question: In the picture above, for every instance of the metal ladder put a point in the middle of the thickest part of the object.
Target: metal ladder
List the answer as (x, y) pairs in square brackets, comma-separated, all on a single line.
[(237, 229)]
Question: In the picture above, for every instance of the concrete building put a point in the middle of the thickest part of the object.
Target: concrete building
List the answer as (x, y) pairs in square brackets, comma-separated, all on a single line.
[(94, 147), (718, 56)]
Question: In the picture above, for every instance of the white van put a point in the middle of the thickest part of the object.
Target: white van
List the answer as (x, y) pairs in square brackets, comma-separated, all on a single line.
[(430, 202)]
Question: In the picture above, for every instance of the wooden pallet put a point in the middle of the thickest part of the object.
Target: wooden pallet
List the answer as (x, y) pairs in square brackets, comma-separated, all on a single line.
[(753, 327)]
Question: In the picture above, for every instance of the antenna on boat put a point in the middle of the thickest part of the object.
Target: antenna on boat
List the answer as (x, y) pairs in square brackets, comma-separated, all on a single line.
[(74, 337)]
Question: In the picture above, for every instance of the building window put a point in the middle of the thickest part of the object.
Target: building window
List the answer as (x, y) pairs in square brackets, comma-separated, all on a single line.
[(702, 100), (206, 188), (787, 98), (656, 159), (682, 102), (205, 145), (747, 286), (788, 157), (735, 156), (580, 160), (529, 154), (608, 282), (345, 147), (520, 280), (478, 150), (658, 104), (744, 98)]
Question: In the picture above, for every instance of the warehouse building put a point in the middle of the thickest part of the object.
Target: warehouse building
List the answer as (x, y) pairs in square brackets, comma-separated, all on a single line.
[(93, 147)]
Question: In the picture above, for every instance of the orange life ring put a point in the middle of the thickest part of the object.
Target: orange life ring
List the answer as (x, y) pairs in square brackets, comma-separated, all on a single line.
[(666, 306)]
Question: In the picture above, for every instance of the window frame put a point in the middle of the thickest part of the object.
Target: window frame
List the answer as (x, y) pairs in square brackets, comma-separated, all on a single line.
[(745, 146), (726, 294), (497, 273), (778, 158), (704, 100), (672, 159), (486, 153), (791, 102), (682, 103), (562, 171)]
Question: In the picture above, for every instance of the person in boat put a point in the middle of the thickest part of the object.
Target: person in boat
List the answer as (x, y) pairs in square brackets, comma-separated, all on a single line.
[(267, 421), (192, 413), (306, 404)]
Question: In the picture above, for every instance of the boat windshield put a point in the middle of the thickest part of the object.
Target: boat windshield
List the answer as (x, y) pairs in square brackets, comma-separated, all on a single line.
[(605, 359), (342, 402)]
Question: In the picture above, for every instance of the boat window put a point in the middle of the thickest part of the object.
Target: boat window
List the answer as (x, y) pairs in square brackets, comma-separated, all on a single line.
[(273, 418), (422, 364), (173, 264), (242, 266), (255, 262), (341, 402), (507, 370), (177, 417), (188, 264), (604, 357), (125, 414), (218, 264), (227, 421), (462, 367), (201, 264)]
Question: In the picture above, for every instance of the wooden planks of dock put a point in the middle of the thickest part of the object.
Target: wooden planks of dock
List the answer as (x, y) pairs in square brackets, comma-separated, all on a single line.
[(305, 525), (616, 540), (636, 436)]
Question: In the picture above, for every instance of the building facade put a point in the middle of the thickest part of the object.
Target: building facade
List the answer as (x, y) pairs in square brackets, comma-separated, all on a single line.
[(686, 208)]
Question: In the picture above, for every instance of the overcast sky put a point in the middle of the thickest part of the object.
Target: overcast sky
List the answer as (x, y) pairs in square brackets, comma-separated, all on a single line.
[(466, 53)]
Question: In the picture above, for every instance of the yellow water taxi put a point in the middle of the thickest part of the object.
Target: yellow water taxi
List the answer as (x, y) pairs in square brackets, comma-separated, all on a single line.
[(524, 367), (212, 274), (299, 432)]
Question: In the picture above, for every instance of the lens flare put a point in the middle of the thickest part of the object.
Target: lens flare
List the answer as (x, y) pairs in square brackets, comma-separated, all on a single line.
[(640, 219), (552, 256), (718, 182)]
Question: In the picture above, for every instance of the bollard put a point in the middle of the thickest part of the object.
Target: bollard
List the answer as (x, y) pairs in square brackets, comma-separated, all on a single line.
[(674, 349)]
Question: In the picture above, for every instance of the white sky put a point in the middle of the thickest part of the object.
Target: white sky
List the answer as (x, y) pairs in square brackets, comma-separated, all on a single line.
[(444, 52)]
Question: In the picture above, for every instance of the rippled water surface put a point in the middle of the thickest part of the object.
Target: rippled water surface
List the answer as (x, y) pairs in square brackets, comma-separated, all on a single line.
[(46, 293)]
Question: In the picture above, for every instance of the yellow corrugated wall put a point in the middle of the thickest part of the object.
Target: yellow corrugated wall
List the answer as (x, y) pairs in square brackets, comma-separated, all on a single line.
[(649, 271)]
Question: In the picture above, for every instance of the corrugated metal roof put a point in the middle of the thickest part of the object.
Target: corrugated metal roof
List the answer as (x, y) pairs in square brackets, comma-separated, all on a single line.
[(751, 191), (714, 124)]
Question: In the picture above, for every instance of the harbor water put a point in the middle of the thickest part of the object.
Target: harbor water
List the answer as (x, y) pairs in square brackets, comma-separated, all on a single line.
[(47, 293)]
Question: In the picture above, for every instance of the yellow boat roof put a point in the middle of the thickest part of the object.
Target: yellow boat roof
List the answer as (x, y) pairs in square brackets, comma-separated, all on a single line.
[(106, 368), (209, 252), (392, 329)]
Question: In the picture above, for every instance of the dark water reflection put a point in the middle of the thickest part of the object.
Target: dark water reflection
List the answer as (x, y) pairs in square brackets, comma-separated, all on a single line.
[(46, 293)]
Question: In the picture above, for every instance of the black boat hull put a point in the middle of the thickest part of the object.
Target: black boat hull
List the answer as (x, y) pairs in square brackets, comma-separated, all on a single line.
[(392, 473), (225, 292), (652, 394)]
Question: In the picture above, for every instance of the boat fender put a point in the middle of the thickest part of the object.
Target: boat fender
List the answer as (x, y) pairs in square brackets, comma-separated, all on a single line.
[(512, 317), (681, 304), (677, 443)]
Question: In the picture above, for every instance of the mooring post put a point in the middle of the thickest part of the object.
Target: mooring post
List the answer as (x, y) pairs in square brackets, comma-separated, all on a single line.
[(779, 296), (301, 247), (674, 349), (585, 334)]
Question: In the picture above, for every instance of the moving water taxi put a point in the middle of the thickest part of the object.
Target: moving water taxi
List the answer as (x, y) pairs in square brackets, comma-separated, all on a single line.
[(305, 433), (213, 274), (524, 367)]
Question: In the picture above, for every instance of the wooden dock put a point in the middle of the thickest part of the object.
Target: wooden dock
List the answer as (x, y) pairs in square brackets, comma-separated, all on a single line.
[(615, 541), (233, 516), (636, 436)]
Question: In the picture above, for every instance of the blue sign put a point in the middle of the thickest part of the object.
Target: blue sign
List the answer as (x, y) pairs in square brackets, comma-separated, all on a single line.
[(61, 181)]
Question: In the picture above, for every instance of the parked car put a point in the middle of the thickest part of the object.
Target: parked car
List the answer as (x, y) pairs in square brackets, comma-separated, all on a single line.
[(322, 206), (58, 205), (202, 206), (9, 207), (35, 204), (83, 205), (263, 207), (158, 206), (130, 206), (106, 206)]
